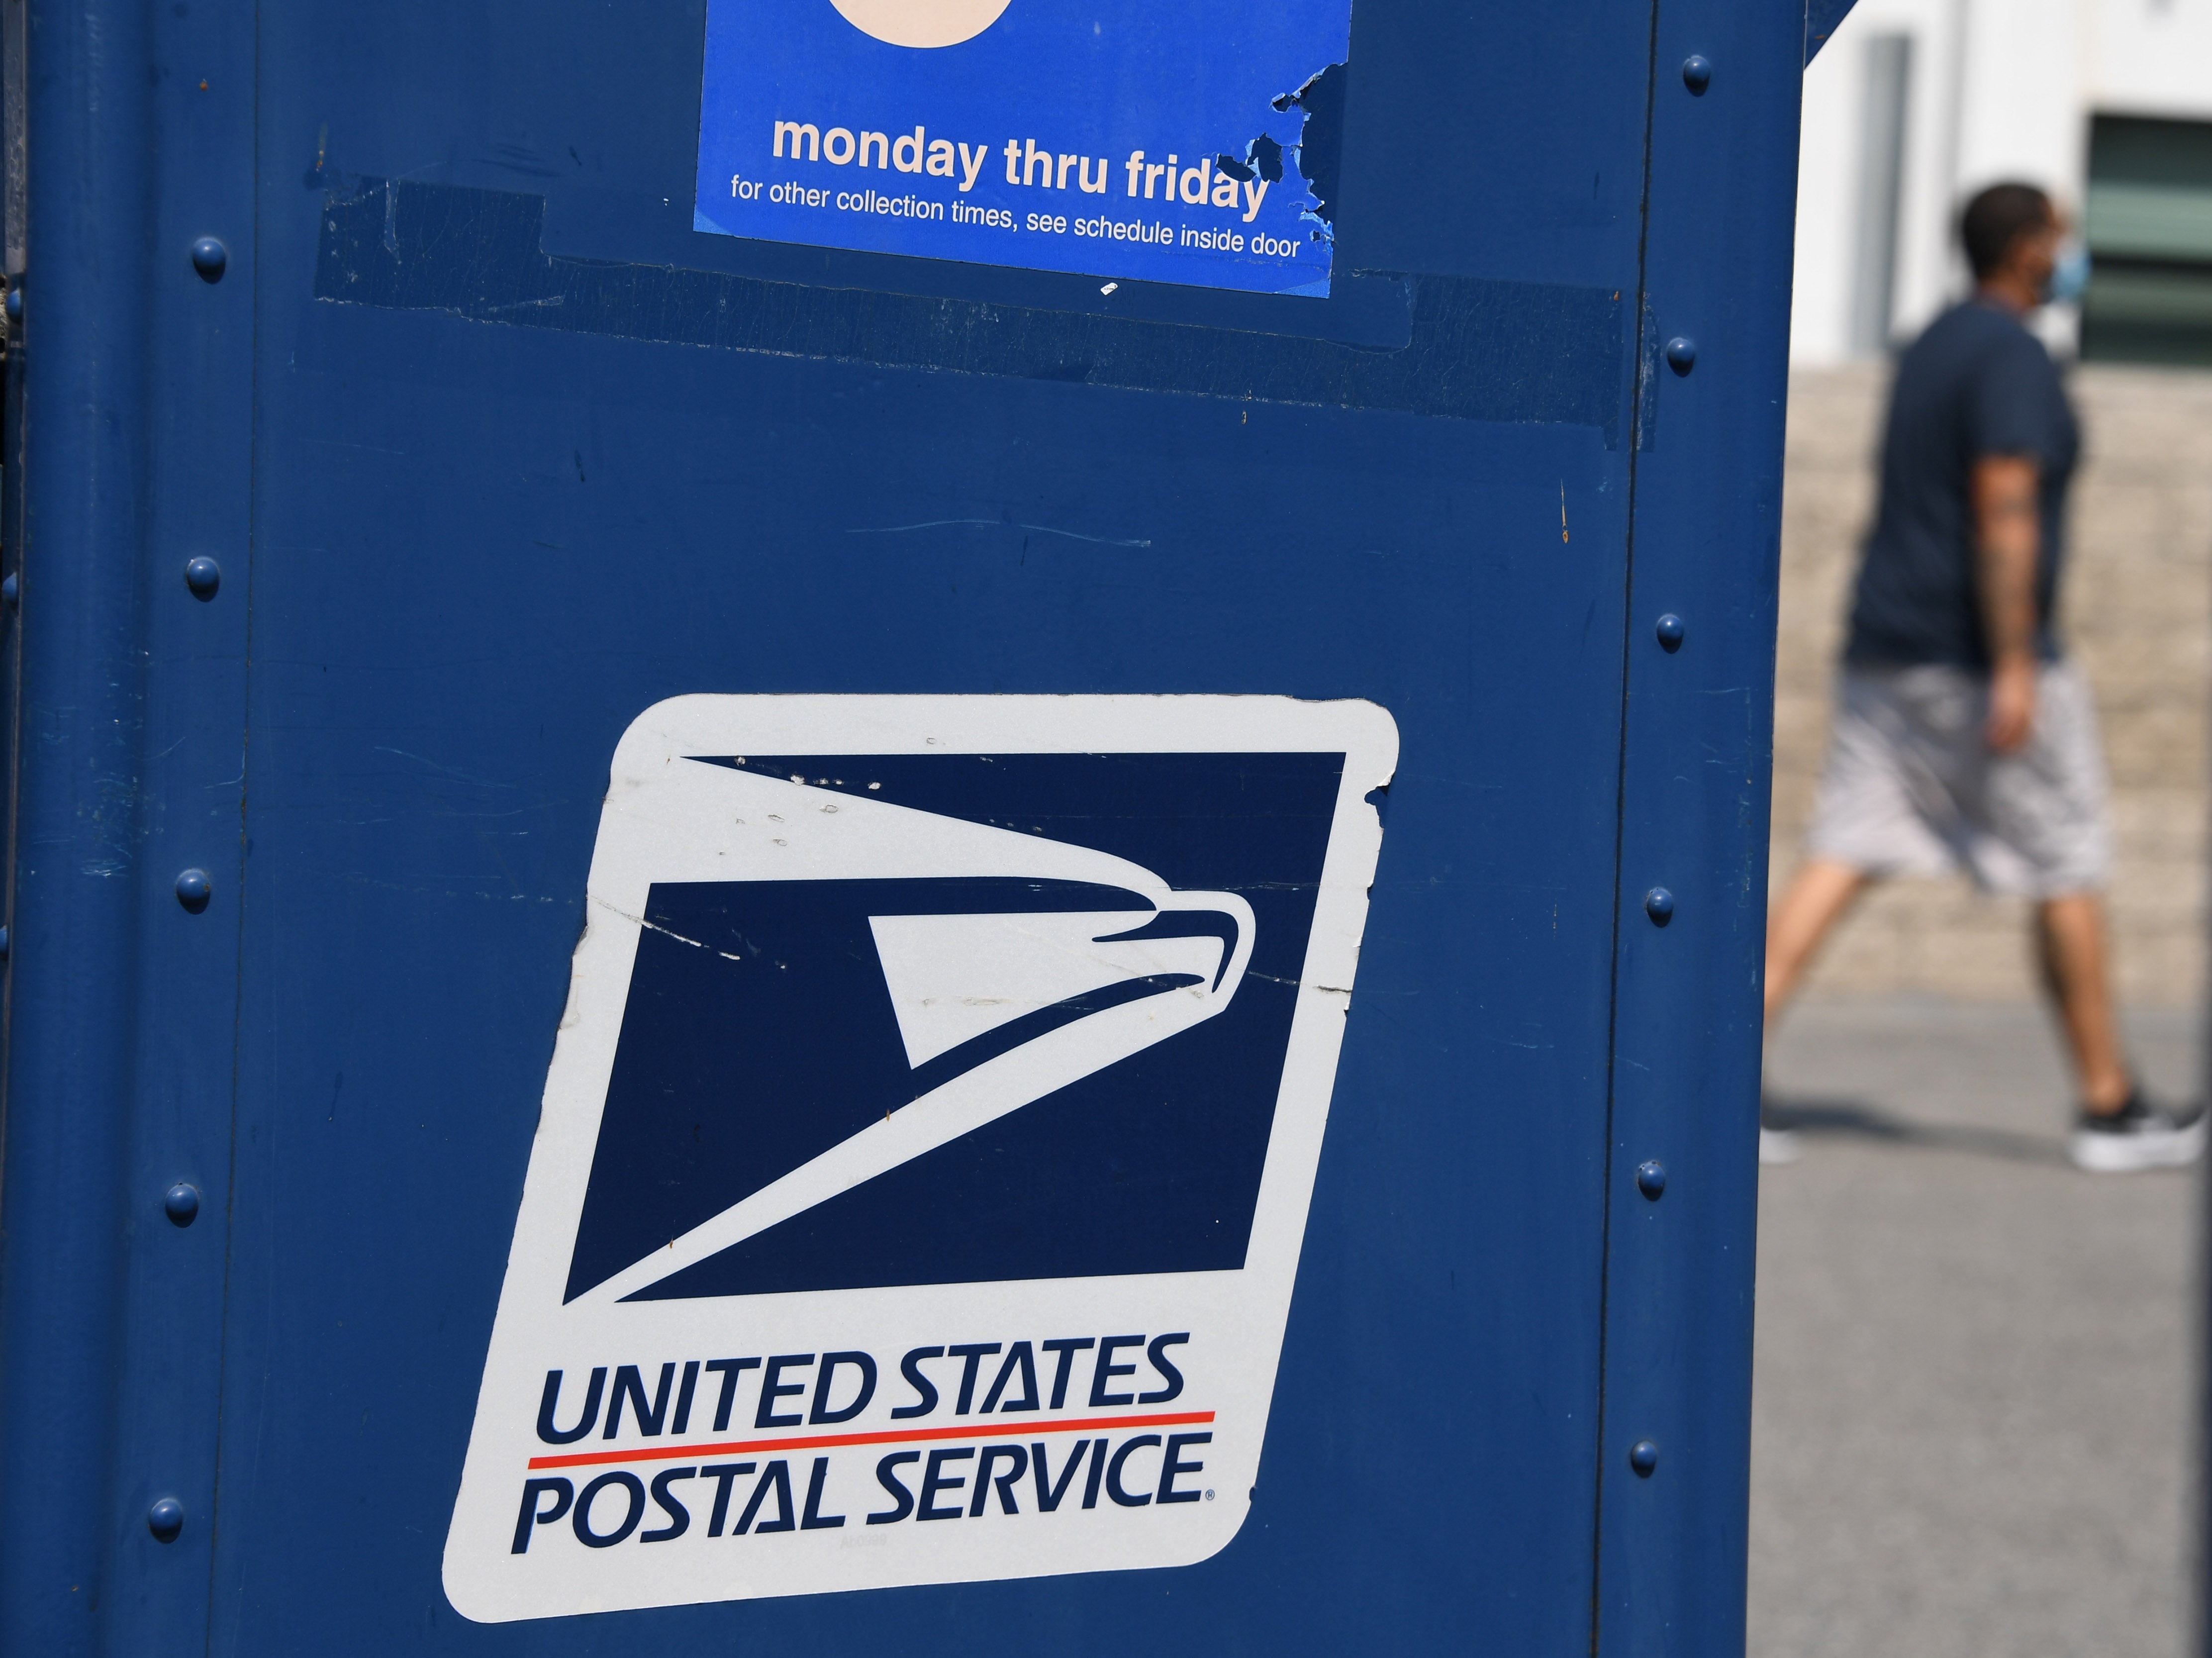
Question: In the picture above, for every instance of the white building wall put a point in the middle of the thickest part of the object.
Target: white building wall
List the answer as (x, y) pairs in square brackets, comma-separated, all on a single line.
[(1928, 263), (2021, 99), (1827, 179), (2000, 89), (1830, 181), (2151, 57)]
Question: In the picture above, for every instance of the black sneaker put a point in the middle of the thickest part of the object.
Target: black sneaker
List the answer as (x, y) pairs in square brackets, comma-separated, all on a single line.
[(2139, 1135)]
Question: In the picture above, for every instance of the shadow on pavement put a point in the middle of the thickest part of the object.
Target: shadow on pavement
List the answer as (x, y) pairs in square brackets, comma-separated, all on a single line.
[(1840, 1119)]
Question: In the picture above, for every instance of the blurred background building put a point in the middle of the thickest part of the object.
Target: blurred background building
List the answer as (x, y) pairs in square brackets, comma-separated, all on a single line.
[(1976, 1388), (1911, 106)]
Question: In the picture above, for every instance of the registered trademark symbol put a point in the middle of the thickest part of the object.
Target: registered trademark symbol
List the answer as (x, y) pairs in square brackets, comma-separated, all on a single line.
[(1209, 1493)]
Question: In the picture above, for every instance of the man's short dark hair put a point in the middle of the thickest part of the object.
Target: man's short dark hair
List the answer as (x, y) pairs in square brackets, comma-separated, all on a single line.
[(1993, 220)]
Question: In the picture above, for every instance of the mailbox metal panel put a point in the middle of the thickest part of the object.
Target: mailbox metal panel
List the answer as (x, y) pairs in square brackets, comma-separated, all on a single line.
[(495, 453)]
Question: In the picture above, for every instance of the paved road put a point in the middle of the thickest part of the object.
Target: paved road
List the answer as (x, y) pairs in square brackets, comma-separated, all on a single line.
[(1973, 1431)]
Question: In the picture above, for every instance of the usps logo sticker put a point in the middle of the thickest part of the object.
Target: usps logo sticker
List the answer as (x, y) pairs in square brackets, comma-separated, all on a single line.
[(926, 1147)]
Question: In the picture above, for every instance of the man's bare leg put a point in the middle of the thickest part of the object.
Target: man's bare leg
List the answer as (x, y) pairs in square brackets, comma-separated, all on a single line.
[(1815, 900), (1818, 894), (2069, 935)]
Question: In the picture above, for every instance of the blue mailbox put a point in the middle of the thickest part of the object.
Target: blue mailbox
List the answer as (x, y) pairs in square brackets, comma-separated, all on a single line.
[(924, 825)]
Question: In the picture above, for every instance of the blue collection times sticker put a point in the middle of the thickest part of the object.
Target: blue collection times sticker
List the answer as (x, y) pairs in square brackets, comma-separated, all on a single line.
[(1180, 144)]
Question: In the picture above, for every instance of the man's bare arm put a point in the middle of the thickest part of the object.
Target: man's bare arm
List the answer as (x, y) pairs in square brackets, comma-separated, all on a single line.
[(2008, 532)]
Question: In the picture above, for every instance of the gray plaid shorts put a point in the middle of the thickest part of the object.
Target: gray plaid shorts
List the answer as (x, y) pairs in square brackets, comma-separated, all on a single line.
[(1911, 786)]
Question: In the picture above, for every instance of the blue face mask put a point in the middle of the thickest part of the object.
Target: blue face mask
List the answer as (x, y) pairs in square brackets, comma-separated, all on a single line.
[(2069, 276)]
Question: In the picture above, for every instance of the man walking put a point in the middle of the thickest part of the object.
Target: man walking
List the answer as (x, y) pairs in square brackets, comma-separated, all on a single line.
[(1961, 735)]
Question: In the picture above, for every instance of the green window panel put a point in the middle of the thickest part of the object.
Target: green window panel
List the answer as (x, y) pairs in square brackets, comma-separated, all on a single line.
[(2149, 229)]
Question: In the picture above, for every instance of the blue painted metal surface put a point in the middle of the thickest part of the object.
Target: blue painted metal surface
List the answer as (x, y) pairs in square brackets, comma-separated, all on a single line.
[(493, 450), (1822, 18)]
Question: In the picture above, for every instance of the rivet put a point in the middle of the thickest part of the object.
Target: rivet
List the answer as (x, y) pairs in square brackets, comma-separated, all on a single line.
[(1658, 904), (181, 1203), (1681, 354), (10, 590), (1669, 630), (166, 1519), (15, 305), (202, 575), (194, 888), (1644, 1456), (1651, 1178), (209, 256), (1698, 73)]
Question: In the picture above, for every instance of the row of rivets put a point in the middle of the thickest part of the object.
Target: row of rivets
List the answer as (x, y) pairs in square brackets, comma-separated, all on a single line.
[(1659, 902), (10, 587), (1659, 905), (1681, 353), (195, 888)]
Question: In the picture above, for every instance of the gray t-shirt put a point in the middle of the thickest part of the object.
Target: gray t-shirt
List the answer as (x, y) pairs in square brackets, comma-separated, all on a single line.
[(1977, 384)]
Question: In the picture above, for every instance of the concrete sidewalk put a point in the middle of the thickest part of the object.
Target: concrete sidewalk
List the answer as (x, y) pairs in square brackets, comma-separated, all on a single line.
[(1974, 1428)]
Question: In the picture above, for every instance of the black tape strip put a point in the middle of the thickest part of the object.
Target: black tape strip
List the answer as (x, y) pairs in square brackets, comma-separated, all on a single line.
[(1478, 349)]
